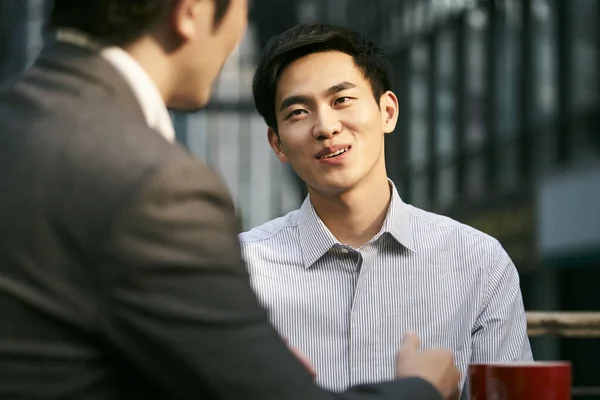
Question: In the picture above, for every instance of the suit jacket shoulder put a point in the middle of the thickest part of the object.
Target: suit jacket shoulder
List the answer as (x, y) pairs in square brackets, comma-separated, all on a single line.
[(119, 262), (78, 125)]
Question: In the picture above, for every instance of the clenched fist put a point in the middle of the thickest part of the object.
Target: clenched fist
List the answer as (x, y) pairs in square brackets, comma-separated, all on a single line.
[(436, 366)]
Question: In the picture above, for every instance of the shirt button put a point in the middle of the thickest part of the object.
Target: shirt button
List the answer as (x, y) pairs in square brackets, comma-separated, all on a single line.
[(344, 250)]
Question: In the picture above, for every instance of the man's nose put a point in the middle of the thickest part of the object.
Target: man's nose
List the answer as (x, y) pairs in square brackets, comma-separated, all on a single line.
[(327, 125)]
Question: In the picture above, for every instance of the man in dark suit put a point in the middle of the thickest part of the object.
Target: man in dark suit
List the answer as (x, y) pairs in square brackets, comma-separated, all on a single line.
[(120, 271)]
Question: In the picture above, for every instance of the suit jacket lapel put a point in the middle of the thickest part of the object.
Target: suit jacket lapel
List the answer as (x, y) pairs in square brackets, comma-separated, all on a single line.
[(92, 68)]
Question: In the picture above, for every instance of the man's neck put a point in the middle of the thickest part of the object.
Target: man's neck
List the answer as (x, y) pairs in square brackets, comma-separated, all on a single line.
[(144, 51), (357, 215)]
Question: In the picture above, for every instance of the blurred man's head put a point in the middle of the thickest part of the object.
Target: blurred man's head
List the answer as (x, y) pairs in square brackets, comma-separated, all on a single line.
[(183, 44), (325, 93)]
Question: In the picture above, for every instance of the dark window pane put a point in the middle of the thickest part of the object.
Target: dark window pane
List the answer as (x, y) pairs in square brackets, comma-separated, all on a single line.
[(475, 100), (475, 177), (508, 65), (419, 110), (445, 115), (446, 185), (508, 164), (584, 80), (544, 59), (546, 148), (445, 76), (419, 189), (476, 66), (584, 63)]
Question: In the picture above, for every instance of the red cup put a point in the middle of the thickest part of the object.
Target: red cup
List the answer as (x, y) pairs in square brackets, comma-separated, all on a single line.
[(477, 381), (520, 381)]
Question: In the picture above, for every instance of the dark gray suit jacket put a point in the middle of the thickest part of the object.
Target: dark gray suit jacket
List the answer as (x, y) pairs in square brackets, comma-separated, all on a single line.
[(120, 272)]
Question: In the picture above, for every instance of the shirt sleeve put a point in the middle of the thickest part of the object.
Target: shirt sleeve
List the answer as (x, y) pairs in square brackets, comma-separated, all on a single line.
[(500, 331), (178, 308)]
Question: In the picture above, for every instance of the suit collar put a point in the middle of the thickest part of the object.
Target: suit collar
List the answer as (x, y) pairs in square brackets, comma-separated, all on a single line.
[(88, 65), (144, 89), (113, 70), (316, 239)]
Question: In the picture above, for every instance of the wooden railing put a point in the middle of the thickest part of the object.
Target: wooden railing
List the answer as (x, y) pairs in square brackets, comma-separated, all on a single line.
[(566, 324)]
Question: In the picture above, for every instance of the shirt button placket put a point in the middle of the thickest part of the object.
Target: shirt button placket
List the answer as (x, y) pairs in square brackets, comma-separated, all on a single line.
[(355, 348)]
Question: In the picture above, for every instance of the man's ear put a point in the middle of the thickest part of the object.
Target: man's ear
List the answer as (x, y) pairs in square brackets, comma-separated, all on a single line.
[(185, 15), (276, 145), (389, 111)]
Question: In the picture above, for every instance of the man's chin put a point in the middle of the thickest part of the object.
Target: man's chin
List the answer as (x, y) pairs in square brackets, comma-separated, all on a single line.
[(333, 187), (189, 104)]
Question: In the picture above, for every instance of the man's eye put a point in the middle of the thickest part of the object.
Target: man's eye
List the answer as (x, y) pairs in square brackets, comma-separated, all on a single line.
[(342, 100), (295, 113)]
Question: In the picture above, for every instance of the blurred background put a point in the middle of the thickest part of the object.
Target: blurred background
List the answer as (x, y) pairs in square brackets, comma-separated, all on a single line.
[(499, 128)]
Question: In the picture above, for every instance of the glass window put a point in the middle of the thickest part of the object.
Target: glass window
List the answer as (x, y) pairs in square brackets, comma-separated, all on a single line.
[(508, 66), (419, 106), (445, 75), (507, 159), (475, 100), (336, 11), (446, 184), (227, 147), (261, 174), (197, 134), (13, 21), (396, 26), (508, 35), (544, 83), (4, 41), (584, 78), (475, 177), (476, 65), (418, 189), (584, 61), (418, 122), (35, 21), (445, 115), (307, 11), (544, 59), (230, 85), (180, 122), (546, 149)]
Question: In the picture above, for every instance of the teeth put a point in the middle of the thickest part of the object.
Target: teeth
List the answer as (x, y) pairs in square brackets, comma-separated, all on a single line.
[(337, 153)]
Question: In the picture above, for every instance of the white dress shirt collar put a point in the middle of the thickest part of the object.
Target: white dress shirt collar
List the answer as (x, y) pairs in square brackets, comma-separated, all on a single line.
[(316, 239), (143, 87)]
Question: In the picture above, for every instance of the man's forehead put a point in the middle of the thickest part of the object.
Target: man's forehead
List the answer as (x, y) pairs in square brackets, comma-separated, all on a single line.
[(326, 63), (318, 72)]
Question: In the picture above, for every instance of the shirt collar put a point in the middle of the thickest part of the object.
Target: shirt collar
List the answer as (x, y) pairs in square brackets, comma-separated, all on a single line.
[(316, 239), (144, 89)]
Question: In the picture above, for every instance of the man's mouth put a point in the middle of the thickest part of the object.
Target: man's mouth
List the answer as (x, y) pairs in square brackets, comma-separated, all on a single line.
[(335, 153)]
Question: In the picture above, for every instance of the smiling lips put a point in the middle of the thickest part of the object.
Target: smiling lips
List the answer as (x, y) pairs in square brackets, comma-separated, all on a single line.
[(333, 151)]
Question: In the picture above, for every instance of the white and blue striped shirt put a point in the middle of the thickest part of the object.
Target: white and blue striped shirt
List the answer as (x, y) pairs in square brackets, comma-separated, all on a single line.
[(347, 309)]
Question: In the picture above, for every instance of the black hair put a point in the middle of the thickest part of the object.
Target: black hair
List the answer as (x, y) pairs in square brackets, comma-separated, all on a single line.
[(306, 39), (115, 22)]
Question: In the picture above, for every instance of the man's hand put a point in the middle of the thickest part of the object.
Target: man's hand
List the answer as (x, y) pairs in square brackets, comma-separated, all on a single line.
[(435, 366), (302, 358)]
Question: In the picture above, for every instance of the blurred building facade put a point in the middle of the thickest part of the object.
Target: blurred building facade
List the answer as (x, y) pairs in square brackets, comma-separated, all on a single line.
[(21, 38), (498, 128), (228, 134)]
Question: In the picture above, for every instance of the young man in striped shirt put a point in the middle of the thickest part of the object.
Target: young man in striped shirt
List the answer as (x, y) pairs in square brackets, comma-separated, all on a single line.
[(355, 267)]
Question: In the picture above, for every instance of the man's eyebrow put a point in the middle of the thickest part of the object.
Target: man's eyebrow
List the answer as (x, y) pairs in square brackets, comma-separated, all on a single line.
[(291, 100), (300, 99), (339, 87)]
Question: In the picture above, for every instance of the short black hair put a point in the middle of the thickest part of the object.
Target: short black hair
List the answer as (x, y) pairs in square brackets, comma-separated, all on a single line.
[(115, 22), (305, 39)]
